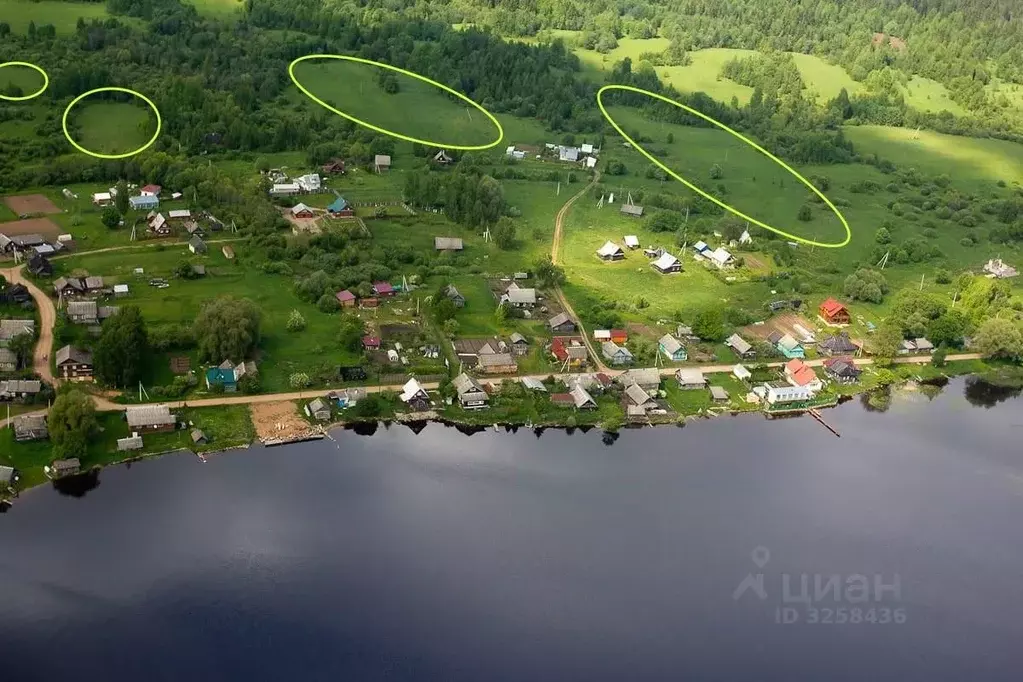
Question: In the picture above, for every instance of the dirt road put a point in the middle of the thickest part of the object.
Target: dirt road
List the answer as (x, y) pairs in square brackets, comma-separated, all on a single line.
[(559, 222), (47, 321)]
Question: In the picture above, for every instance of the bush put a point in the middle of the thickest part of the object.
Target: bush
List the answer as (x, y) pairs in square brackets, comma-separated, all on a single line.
[(327, 304), (296, 322)]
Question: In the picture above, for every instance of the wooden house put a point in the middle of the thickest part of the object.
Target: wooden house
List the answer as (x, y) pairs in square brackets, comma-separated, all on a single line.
[(834, 312)]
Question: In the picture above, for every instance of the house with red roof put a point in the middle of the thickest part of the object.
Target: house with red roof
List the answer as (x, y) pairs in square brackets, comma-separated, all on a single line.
[(345, 298), (834, 312), (798, 373), (150, 191), (371, 342), (383, 289), (619, 336)]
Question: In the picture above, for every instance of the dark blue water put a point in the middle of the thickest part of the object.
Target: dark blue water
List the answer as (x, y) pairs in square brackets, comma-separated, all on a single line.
[(514, 557)]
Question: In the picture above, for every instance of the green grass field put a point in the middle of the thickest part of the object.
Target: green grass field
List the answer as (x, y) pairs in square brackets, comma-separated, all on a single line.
[(282, 352), (220, 9), (29, 80), (925, 94), (702, 75), (63, 15), (753, 183), (975, 160), (111, 127), (418, 109)]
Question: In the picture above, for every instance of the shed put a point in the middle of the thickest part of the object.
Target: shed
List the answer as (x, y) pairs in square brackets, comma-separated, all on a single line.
[(610, 251), (447, 243), (65, 467), (533, 384), (228, 252), (120, 290), (198, 437), (196, 245), (381, 163), (632, 241), (318, 409), (718, 394), (129, 443), (632, 210), (741, 373), (345, 298)]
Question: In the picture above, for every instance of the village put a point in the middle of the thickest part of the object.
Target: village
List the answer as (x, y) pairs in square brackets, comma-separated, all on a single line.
[(510, 348)]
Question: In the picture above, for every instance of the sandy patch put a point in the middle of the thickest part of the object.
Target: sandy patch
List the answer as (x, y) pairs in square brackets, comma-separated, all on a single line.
[(30, 204), (280, 422)]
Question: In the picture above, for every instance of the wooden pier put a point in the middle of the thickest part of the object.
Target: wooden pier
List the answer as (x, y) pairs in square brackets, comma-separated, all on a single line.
[(817, 415)]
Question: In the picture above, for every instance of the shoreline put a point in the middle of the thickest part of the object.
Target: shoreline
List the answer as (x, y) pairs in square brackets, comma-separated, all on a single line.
[(477, 423)]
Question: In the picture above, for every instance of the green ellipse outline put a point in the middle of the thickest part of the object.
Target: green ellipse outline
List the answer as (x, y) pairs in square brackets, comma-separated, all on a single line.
[(391, 133), (147, 145), (722, 126), (46, 82)]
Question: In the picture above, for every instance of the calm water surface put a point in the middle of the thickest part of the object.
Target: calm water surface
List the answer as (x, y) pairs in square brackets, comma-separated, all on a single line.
[(507, 556)]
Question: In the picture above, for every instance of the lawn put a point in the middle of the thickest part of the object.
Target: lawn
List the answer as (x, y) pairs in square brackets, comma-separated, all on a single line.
[(111, 127), (354, 89), (980, 161), (225, 426), (63, 16), (29, 80), (281, 352)]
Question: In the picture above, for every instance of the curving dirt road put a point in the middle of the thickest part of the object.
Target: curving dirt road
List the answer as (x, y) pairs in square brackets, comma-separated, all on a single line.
[(47, 321), (559, 221)]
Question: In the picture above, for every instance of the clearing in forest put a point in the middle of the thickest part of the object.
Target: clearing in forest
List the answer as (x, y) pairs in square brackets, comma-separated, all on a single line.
[(111, 127), (394, 101)]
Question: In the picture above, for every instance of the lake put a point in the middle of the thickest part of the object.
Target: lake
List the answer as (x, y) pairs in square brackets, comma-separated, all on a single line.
[(665, 554)]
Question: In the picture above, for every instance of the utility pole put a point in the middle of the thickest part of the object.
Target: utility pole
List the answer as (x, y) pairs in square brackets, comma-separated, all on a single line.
[(921, 282)]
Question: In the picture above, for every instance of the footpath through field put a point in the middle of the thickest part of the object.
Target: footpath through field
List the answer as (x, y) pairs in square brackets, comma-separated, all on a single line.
[(555, 249)]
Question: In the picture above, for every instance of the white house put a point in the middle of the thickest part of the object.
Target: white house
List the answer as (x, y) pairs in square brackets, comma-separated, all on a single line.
[(779, 393), (413, 391), (309, 183), (720, 257), (102, 199), (286, 189), (568, 153), (741, 373), (586, 148)]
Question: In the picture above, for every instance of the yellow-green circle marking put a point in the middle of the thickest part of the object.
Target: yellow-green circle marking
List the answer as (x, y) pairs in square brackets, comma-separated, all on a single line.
[(46, 81), (705, 195), (391, 133), (76, 100)]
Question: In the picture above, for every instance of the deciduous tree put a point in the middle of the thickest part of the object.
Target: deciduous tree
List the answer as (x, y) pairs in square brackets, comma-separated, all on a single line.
[(71, 422), (227, 328), (122, 352)]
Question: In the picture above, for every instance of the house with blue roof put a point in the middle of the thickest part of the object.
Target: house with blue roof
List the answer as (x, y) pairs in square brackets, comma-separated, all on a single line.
[(700, 247), (222, 376), (340, 208), (787, 346), (146, 202)]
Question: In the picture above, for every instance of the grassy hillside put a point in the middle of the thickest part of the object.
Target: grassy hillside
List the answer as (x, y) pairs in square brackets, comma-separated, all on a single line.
[(974, 160), (110, 127), (355, 89), (750, 181), (217, 8), (63, 15)]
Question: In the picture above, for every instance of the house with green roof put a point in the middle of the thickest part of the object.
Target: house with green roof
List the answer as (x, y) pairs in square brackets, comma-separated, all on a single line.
[(340, 208)]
